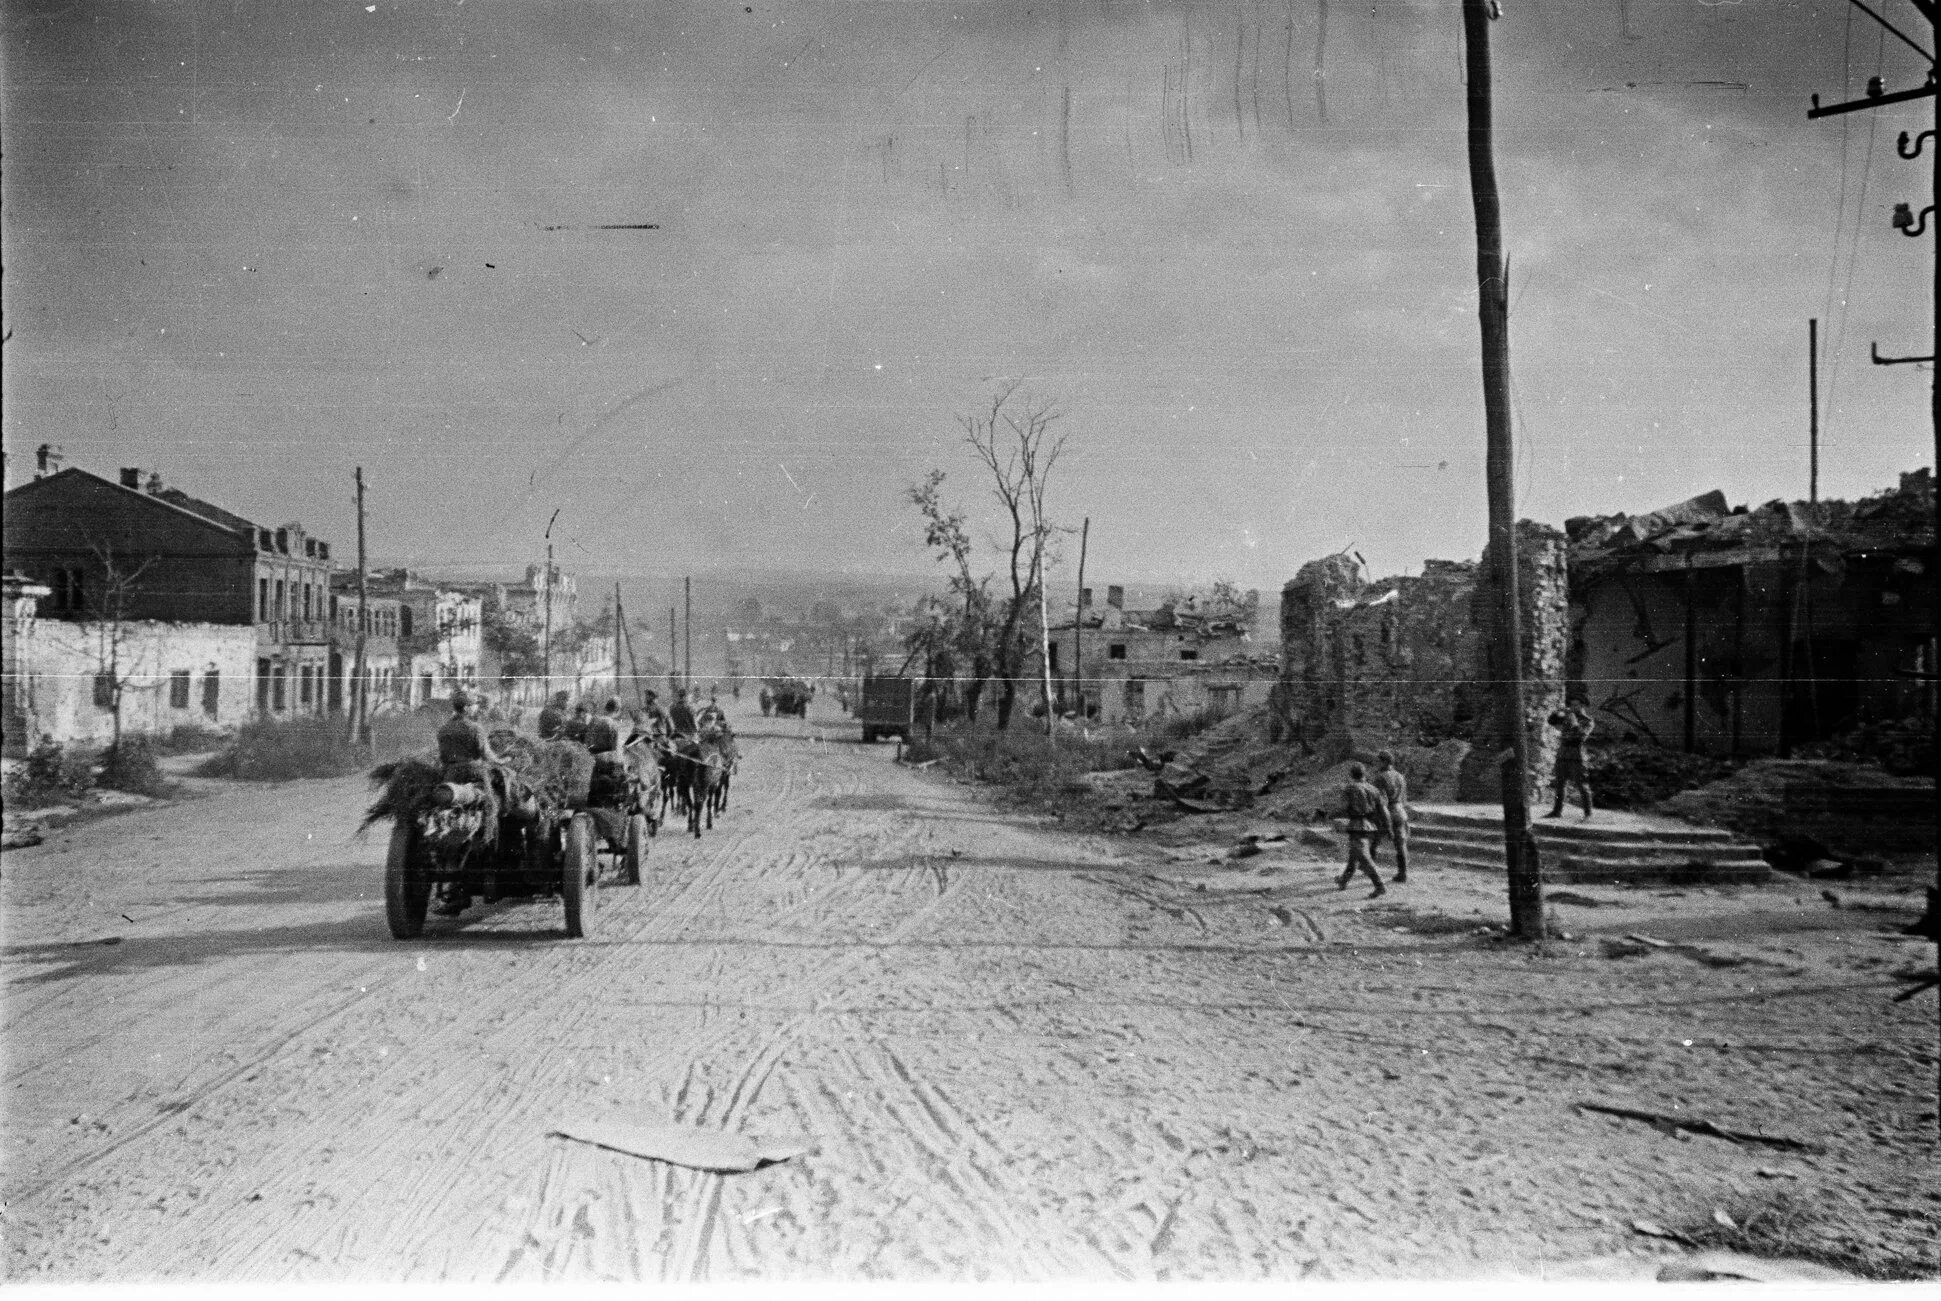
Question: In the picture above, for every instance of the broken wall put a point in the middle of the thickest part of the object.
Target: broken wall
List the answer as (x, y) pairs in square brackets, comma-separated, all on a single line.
[(1405, 662), (1543, 590)]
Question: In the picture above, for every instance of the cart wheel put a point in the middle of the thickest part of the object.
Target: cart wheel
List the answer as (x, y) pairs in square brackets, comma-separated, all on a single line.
[(406, 891), (578, 867), (636, 849)]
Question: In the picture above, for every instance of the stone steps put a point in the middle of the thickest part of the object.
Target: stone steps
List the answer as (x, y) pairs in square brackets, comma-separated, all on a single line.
[(1625, 849)]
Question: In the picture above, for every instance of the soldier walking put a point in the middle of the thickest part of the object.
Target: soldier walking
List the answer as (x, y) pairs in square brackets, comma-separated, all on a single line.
[(1395, 791), (1367, 813)]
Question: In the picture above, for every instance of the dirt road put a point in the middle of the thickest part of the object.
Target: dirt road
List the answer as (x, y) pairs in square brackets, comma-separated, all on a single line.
[(1017, 1053)]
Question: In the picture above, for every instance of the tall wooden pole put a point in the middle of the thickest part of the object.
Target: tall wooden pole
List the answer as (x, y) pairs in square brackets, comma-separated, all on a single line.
[(1078, 624), (361, 710), (1044, 644), (618, 669), (673, 655), (1519, 845), (687, 598), (547, 648), (1813, 410)]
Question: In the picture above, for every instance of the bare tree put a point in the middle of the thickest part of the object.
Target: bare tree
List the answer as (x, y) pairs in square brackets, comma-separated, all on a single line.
[(116, 670), (1017, 446)]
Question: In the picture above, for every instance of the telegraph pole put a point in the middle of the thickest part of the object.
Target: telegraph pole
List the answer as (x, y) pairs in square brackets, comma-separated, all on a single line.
[(1078, 624), (618, 671), (687, 598), (548, 579), (1908, 224), (361, 708), (1519, 845), (673, 655), (1813, 410), (1044, 643)]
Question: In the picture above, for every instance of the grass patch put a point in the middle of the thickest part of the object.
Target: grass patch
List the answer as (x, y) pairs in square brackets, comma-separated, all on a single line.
[(1782, 1225), (293, 748), (1030, 769)]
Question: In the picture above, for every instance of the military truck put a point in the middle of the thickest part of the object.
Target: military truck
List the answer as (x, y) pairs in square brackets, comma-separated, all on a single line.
[(887, 707)]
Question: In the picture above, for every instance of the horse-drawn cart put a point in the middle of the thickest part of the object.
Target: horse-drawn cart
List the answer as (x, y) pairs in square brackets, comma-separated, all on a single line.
[(521, 829), (623, 799)]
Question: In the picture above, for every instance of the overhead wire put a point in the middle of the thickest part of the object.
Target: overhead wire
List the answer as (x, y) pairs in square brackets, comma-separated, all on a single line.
[(1837, 352)]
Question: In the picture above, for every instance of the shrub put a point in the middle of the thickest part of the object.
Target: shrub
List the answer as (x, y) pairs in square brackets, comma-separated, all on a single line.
[(191, 738), (287, 749), (1030, 768), (1181, 727), (129, 765), (51, 771)]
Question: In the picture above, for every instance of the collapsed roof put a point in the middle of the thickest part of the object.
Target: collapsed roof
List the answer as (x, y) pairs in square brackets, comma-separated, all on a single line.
[(1704, 527)]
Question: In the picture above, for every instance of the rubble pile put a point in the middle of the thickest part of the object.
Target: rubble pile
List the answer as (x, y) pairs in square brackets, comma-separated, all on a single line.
[(1637, 774)]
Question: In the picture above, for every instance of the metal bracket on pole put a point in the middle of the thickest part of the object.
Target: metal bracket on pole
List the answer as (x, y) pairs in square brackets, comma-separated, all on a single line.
[(1900, 146), (1896, 361), (1872, 101)]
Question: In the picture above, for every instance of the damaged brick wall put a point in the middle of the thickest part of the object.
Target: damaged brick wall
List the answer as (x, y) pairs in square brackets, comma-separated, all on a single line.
[(1404, 661), (1309, 692), (1543, 588)]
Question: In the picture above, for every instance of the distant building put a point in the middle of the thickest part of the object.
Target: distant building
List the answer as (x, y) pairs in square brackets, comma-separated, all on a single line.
[(388, 683), (439, 640), (1179, 657)]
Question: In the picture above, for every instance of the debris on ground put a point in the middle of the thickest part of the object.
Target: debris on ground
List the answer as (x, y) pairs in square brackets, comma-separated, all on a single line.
[(684, 1145), (1653, 1229), (1664, 1121), (1706, 1266)]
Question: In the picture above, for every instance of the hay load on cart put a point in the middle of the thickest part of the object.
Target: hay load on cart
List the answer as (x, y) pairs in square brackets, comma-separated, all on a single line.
[(492, 831)]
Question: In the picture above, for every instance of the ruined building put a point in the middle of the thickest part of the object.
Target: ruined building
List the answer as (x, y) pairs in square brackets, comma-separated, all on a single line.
[(1367, 665), (1700, 627), (1738, 632)]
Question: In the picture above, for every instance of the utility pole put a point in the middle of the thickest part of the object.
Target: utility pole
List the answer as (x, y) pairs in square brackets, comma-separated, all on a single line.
[(1078, 625), (1519, 845), (1044, 644), (1910, 225), (673, 655), (547, 578), (687, 597), (360, 727), (618, 668), (1813, 410)]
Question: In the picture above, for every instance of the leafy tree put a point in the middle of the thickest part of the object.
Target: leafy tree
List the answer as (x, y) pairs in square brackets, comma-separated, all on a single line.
[(1016, 445), (516, 645)]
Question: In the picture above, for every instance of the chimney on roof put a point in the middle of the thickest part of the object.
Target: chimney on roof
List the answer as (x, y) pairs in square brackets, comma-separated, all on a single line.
[(47, 459), (131, 477), (154, 483), (1115, 596)]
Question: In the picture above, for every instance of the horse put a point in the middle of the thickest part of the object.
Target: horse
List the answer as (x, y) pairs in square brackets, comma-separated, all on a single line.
[(722, 744), (697, 769)]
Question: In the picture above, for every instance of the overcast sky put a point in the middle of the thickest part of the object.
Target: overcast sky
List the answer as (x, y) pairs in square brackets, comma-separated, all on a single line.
[(253, 246)]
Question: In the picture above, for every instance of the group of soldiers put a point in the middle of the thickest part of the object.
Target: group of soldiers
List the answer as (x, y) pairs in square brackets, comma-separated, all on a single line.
[(463, 739), (614, 727), (1378, 806)]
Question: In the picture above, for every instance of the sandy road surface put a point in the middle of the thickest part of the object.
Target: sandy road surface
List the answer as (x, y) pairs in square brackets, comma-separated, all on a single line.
[(1018, 1054)]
